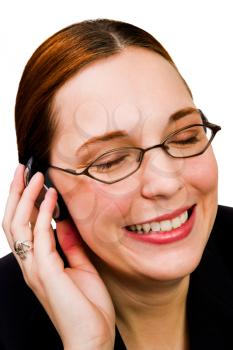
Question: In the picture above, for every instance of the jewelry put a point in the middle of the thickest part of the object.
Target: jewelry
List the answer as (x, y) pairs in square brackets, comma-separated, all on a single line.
[(22, 247)]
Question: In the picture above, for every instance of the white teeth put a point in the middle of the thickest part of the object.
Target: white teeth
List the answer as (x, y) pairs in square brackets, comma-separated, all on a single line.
[(165, 225), (184, 216), (146, 227), (138, 229), (176, 222), (155, 226)]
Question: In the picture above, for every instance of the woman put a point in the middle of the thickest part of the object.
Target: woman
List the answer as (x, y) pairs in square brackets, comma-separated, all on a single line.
[(105, 119)]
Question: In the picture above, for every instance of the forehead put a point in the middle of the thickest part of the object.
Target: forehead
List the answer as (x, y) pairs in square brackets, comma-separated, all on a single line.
[(118, 92)]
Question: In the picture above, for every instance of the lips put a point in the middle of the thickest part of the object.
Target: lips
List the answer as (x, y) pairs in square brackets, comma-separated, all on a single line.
[(168, 216), (166, 237)]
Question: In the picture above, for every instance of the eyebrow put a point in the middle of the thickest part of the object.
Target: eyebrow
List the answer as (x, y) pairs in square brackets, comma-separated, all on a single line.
[(184, 112)]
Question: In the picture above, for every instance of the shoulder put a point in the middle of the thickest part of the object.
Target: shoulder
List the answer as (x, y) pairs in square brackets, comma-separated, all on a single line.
[(224, 216), (11, 279), (216, 262), (221, 237), (222, 231), (210, 305), (16, 299), (20, 311), (214, 274)]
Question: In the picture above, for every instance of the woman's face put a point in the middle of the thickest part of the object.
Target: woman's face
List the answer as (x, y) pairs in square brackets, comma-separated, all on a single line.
[(136, 91)]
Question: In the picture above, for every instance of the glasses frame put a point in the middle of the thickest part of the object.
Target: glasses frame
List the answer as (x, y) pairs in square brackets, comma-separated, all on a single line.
[(214, 127)]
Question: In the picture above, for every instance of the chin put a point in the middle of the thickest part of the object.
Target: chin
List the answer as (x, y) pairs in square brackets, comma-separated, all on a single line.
[(171, 271)]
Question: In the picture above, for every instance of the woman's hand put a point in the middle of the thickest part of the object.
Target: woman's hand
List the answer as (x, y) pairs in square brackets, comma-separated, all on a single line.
[(74, 297)]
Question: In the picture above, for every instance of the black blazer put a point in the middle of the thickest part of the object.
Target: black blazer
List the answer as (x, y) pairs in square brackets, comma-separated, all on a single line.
[(24, 325)]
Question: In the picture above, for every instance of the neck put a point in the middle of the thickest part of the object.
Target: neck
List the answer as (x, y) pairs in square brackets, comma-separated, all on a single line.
[(157, 316), (149, 312)]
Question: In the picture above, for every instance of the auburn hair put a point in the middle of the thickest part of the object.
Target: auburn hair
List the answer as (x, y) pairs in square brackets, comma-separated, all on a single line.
[(57, 60)]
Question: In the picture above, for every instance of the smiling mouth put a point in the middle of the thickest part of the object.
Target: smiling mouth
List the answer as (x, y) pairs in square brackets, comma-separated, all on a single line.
[(161, 226)]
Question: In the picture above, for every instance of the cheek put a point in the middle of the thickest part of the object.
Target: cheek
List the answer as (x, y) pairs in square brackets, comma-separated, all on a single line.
[(79, 199), (95, 210), (202, 173)]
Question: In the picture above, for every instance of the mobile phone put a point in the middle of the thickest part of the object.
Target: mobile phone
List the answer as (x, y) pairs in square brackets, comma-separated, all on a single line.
[(60, 212)]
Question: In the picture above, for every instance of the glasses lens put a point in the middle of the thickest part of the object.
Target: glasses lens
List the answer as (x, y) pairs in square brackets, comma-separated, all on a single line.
[(189, 142), (115, 165)]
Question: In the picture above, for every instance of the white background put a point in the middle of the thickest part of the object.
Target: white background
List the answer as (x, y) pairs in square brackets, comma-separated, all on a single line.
[(197, 34)]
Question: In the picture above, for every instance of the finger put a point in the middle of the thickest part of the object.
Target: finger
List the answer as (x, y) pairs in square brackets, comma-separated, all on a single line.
[(50, 266), (20, 228), (25, 206), (44, 241), (72, 245), (16, 189), (15, 193)]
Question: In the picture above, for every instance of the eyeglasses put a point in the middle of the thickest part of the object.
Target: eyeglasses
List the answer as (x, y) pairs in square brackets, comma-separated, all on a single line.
[(119, 163)]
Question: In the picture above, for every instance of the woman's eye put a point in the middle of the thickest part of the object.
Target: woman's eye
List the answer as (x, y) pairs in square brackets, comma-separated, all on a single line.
[(188, 137), (108, 164), (191, 140)]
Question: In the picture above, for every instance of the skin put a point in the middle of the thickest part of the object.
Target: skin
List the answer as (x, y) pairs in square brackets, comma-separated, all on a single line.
[(136, 90)]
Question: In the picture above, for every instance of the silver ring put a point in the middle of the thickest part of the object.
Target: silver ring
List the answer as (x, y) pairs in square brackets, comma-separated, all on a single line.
[(22, 247)]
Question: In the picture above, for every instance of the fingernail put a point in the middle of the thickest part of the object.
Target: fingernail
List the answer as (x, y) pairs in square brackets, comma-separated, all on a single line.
[(35, 177)]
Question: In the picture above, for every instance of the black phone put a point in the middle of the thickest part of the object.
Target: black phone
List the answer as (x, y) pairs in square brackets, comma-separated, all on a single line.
[(60, 211)]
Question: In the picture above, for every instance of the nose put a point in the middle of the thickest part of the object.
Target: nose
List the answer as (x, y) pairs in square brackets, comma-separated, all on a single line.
[(161, 175)]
